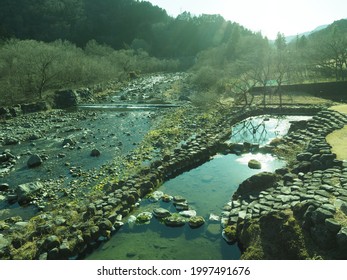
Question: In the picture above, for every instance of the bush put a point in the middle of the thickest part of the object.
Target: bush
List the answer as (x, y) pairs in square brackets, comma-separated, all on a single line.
[(206, 77)]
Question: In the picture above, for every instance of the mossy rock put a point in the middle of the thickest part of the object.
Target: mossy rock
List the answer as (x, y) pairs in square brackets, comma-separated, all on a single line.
[(175, 220), (275, 236), (166, 198), (26, 252), (229, 234), (161, 213), (254, 164), (144, 218), (195, 222)]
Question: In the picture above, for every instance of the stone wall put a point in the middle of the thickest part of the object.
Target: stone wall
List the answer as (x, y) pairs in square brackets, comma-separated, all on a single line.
[(303, 213)]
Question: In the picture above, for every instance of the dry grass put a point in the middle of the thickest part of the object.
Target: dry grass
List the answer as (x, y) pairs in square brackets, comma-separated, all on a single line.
[(342, 108), (338, 138), (292, 98)]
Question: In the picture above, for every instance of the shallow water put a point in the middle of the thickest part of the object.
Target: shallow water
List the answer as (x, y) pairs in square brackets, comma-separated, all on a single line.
[(207, 189), (262, 129)]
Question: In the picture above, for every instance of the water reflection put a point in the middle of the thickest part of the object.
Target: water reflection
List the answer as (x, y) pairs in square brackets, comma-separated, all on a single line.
[(262, 129)]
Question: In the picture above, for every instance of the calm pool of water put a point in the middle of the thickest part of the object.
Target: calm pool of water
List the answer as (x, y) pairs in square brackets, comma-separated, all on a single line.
[(207, 189)]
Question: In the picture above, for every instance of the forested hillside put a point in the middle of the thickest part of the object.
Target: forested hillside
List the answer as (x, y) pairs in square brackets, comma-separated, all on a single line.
[(68, 43), (116, 23)]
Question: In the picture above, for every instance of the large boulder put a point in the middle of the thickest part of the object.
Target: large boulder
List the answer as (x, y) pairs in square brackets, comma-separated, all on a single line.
[(34, 107), (66, 98), (34, 161), (256, 184)]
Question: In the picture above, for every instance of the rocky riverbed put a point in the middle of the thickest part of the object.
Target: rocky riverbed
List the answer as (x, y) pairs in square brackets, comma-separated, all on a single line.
[(82, 172)]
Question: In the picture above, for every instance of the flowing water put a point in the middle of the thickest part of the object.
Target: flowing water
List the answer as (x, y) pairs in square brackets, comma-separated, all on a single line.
[(207, 189)]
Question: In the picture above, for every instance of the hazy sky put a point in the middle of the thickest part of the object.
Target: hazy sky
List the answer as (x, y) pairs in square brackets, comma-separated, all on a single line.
[(268, 16)]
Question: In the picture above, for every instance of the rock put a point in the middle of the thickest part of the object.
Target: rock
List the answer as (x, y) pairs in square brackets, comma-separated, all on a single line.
[(256, 184), (69, 142), (95, 153), (34, 107), (51, 242), (155, 196), (332, 225), (214, 218), (34, 136), (131, 219), (196, 221), (304, 156), (324, 238), (53, 254), (229, 234), (181, 206), (65, 250), (144, 218), (4, 187), (65, 99), (34, 161), (3, 243), (175, 220), (342, 238), (320, 215), (188, 213), (304, 166), (21, 225), (289, 177), (15, 111), (161, 213), (105, 225), (10, 141), (4, 112), (178, 198), (166, 198), (254, 164), (343, 207), (25, 192)]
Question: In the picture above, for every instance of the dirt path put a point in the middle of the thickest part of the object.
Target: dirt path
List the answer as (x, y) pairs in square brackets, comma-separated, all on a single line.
[(338, 139)]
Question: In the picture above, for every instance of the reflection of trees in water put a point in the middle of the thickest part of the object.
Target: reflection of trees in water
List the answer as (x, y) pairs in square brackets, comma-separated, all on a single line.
[(255, 130)]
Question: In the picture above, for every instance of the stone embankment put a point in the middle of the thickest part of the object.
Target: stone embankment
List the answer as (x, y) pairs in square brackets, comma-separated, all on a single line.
[(301, 211)]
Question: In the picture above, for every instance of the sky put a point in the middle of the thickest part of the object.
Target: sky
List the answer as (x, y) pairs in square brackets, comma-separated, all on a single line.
[(289, 17)]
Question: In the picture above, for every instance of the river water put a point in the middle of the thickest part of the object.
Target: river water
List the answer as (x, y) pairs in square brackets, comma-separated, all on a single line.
[(207, 189)]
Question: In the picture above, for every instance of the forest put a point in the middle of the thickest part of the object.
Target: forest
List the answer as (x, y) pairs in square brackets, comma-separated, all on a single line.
[(47, 45)]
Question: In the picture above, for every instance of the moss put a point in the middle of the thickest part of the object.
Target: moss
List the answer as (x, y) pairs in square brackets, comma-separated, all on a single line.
[(230, 232), (26, 252), (275, 236)]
